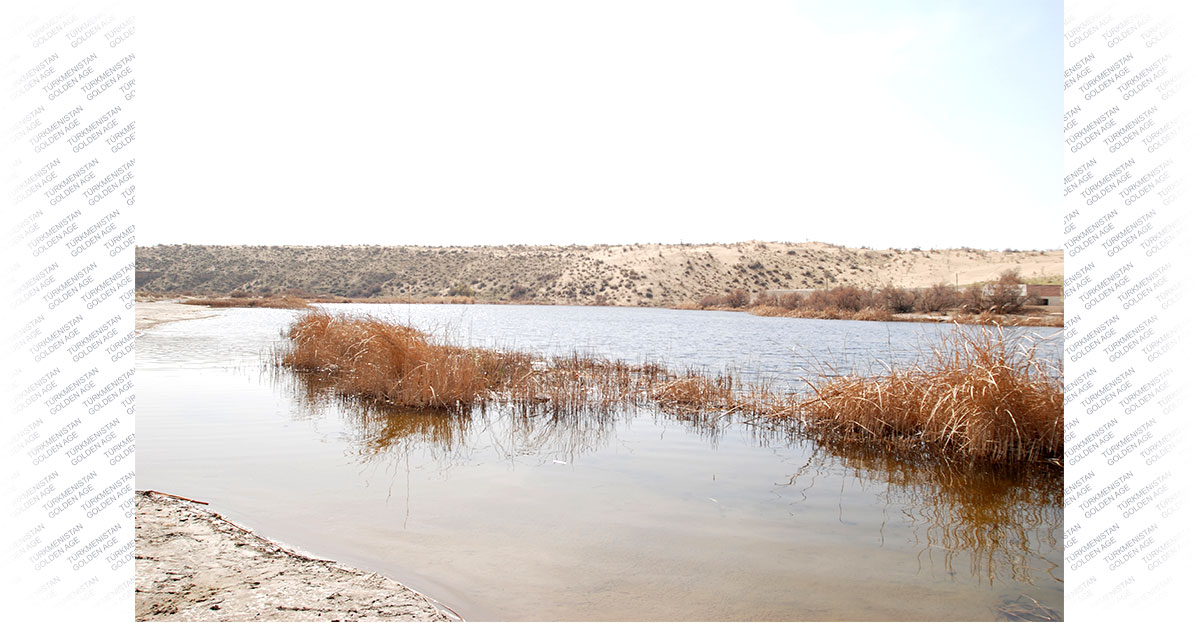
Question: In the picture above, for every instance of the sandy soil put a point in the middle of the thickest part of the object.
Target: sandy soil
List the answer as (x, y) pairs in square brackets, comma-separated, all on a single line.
[(149, 314), (194, 565), (661, 275)]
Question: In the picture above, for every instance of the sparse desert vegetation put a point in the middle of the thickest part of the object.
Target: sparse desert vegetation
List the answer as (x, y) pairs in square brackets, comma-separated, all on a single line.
[(661, 275), (998, 302), (241, 299)]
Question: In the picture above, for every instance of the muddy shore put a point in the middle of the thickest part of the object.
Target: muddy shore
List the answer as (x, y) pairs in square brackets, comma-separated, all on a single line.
[(194, 565)]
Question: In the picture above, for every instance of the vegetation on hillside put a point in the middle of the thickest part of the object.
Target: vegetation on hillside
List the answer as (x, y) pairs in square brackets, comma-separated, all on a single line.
[(644, 274)]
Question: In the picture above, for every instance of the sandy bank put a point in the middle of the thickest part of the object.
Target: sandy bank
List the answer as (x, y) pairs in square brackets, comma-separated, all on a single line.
[(194, 565), (149, 314)]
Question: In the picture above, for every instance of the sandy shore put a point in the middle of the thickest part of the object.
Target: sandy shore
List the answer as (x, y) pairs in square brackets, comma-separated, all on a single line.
[(153, 313), (194, 565)]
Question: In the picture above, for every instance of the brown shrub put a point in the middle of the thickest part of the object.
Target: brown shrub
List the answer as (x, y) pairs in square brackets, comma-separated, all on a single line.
[(1003, 296), (737, 298), (971, 300), (898, 300), (936, 298)]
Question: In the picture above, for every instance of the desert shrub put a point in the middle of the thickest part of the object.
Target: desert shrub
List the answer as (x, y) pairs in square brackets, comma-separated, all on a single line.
[(937, 298), (850, 298), (766, 299), (737, 298), (462, 289), (971, 299), (791, 300), (898, 300), (818, 300), (1003, 296)]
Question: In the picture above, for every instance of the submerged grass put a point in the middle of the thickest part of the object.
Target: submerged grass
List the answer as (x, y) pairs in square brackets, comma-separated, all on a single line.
[(975, 397)]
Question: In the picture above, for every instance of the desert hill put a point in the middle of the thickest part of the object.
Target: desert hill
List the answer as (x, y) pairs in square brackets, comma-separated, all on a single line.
[(638, 274)]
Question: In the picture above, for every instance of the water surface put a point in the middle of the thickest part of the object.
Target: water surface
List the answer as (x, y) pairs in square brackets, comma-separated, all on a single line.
[(633, 515)]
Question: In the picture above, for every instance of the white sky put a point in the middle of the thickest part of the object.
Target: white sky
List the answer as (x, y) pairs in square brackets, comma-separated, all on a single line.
[(606, 121)]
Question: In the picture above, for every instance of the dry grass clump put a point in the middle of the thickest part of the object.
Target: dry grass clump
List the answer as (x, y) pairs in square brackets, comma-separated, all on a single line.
[(694, 393), (398, 365), (977, 396), (270, 302), (395, 365)]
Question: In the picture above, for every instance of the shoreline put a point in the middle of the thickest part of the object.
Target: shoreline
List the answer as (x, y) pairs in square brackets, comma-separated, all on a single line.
[(192, 564), (1052, 319), (150, 314)]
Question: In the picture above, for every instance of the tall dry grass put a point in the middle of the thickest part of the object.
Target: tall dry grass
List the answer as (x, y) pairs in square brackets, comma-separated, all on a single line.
[(976, 395), (397, 365)]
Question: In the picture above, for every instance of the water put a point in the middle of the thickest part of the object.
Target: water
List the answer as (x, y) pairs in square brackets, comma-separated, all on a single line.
[(632, 516)]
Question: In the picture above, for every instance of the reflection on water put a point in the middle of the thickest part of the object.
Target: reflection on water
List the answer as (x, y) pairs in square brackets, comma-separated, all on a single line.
[(1002, 521), (630, 514)]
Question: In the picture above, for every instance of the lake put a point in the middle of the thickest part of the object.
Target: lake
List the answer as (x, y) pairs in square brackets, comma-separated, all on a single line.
[(632, 515)]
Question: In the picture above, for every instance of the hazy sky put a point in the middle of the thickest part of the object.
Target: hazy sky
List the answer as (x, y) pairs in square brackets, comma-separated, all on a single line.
[(932, 124)]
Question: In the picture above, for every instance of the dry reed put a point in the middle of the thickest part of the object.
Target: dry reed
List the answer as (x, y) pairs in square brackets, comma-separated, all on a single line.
[(975, 397)]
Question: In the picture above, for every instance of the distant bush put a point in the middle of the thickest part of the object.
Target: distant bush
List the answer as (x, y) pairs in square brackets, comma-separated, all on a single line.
[(971, 300), (898, 300), (850, 298), (1003, 296), (737, 298), (462, 289), (937, 298)]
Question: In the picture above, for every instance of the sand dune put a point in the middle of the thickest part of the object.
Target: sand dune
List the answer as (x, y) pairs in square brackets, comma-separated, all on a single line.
[(641, 274)]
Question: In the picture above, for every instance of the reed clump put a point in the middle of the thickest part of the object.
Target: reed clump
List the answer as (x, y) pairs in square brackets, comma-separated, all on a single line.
[(390, 364), (976, 396), (397, 365)]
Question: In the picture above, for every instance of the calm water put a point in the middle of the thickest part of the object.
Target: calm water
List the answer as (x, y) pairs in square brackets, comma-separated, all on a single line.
[(630, 516)]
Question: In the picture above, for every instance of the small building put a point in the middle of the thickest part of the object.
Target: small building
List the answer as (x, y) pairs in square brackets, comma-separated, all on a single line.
[(1042, 294)]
